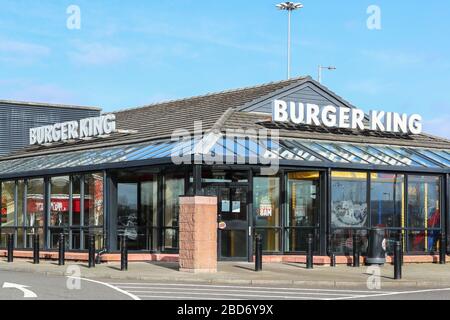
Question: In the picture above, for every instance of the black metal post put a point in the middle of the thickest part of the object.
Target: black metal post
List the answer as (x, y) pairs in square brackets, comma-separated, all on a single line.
[(91, 251), (331, 254), (397, 260), (10, 248), (36, 250), (356, 253), (258, 253), (310, 253), (123, 253), (443, 248), (62, 249)]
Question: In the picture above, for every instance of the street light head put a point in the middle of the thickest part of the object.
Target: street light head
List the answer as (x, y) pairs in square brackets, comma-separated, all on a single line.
[(289, 6)]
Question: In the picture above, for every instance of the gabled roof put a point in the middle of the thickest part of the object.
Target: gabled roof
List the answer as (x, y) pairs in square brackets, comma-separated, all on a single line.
[(4, 103), (158, 121), (220, 111)]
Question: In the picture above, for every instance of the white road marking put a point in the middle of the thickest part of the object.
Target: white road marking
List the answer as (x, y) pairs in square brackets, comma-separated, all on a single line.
[(230, 290), (246, 287), (392, 294), (27, 294), (132, 296), (239, 295), (188, 298)]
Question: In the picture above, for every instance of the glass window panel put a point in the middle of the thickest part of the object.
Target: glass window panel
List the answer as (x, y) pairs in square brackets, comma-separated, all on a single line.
[(324, 152), (266, 201), (271, 239), (127, 212), (173, 189), (149, 214), (387, 200), (424, 194), (171, 239), (20, 201), (35, 203), (364, 155), (59, 201), (93, 199), (233, 243), (297, 239), (8, 203), (342, 241), (304, 202), (401, 158), (437, 156), (343, 153), (381, 155), (349, 200), (298, 152), (415, 157), (76, 200)]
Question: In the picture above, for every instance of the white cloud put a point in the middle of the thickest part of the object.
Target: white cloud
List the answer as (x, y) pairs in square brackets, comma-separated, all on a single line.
[(96, 54), (22, 52)]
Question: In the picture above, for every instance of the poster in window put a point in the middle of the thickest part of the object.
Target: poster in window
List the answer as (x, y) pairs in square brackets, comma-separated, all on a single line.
[(265, 208), (349, 214)]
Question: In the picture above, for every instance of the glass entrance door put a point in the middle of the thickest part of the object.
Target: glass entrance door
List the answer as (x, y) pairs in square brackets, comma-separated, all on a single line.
[(233, 223)]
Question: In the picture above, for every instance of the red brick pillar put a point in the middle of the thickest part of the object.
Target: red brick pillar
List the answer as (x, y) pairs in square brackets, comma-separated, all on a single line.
[(198, 234)]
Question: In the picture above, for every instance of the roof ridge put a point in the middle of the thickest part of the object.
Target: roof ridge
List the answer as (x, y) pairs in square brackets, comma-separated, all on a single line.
[(292, 80), (49, 105)]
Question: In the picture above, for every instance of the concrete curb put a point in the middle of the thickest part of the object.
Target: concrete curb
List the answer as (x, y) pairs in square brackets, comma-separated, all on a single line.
[(386, 284)]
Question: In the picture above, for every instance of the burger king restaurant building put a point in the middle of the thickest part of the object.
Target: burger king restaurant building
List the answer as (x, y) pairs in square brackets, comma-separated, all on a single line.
[(285, 160)]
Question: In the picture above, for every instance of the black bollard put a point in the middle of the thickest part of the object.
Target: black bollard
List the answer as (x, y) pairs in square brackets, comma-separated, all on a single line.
[(123, 253), (333, 260), (91, 251), (356, 253), (36, 249), (443, 249), (331, 254), (10, 248), (397, 260), (258, 253), (310, 254), (62, 250)]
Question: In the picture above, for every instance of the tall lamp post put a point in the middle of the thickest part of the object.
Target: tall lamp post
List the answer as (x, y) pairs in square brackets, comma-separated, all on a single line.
[(289, 7), (319, 76)]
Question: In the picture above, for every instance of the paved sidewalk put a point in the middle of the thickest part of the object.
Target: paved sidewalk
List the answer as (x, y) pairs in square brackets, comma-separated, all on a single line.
[(286, 274)]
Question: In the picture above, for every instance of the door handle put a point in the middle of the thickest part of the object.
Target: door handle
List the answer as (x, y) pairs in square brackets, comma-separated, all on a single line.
[(249, 231)]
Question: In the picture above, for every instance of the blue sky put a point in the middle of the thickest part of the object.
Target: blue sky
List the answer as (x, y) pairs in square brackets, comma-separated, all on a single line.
[(141, 51)]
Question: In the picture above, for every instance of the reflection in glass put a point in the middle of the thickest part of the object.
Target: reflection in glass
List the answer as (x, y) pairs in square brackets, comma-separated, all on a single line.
[(173, 189), (233, 243), (35, 210), (349, 200), (8, 203), (424, 194), (266, 193), (148, 217), (59, 201), (387, 194), (127, 212), (342, 241), (271, 239), (303, 193), (93, 199)]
